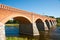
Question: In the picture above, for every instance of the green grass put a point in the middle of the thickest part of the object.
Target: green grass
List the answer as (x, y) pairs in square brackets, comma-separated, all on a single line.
[(19, 38), (58, 24), (14, 38), (12, 25)]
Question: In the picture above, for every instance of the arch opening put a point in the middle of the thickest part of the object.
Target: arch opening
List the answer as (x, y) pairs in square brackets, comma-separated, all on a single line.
[(47, 23), (22, 25), (40, 24)]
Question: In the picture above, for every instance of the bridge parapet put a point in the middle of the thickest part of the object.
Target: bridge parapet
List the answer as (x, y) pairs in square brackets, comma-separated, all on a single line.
[(14, 9), (18, 10), (10, 8)]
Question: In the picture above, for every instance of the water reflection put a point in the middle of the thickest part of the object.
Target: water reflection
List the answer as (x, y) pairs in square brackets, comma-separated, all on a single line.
[(55, 34), (44, 35)]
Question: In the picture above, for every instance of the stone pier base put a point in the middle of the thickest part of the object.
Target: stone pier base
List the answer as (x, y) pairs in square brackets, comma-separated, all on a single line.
[(35, 30), (2, 32)]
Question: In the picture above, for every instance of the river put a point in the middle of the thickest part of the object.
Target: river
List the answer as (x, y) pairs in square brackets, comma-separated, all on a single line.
[(44, 35)]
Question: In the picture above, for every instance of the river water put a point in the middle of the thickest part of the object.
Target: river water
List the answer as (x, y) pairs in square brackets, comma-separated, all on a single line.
[(44, 35)]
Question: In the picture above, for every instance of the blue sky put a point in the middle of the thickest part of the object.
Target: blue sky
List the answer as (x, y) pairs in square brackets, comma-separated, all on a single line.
[(43, 7)]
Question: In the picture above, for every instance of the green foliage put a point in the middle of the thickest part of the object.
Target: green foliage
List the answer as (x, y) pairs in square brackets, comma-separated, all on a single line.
[(58, 20), (14, 38), (52, 16), (12, 22)]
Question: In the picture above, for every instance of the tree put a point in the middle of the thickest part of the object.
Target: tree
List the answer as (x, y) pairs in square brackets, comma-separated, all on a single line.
[(52, 16), (58, 20), (12, 22)]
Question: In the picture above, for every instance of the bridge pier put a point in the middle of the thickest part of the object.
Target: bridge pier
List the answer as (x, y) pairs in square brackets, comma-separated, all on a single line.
[(26, 29), (2, 32), (35, 30), (29, 29), (50, 23), (46, 28), (53, 23)]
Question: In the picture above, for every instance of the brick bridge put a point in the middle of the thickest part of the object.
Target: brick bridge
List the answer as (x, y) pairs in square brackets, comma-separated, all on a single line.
[(30, 23)]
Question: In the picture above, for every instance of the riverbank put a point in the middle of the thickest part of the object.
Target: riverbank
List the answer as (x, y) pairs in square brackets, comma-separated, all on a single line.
[(14, 38), (58, 24), (12, 25)]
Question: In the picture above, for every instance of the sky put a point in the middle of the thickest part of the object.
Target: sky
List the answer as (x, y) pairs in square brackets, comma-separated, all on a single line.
[(43, 7)]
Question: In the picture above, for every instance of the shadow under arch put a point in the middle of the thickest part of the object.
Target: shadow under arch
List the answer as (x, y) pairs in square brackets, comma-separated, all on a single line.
[(40, 24), (47, 23), (25, 26)]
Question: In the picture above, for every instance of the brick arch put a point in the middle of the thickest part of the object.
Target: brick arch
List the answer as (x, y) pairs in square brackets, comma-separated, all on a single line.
[(15, 15), (39, 24), (25, 23), (47, 23), (38, 17)]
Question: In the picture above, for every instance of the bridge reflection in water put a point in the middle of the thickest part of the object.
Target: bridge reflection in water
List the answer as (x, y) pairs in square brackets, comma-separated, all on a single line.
[(12, 33)]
